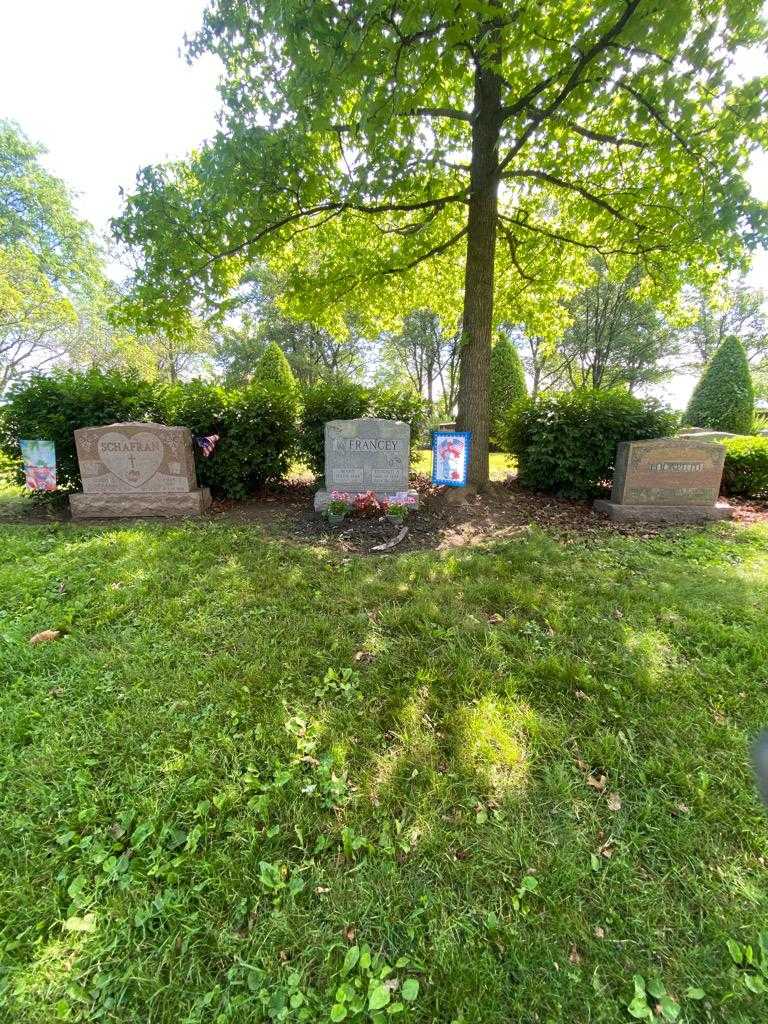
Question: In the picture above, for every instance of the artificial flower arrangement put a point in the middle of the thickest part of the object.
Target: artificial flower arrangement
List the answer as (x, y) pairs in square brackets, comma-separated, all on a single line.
[(398, 508), (369, 503), (338, 507)]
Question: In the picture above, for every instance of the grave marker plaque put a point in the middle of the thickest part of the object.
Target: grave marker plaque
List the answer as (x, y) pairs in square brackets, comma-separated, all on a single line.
[(137, 469), (365, 455), (667, 479)]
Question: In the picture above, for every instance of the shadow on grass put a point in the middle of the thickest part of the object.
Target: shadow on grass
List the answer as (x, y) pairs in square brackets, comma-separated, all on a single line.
[(188, 730)]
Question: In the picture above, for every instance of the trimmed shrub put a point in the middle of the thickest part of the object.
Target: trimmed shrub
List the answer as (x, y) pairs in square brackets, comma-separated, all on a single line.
[(398, 403), (54, 407), (256, 424), (724, 398), (507, 387), (273, 368), (333, 398), (746, 466), (566, 443), (336, 398)]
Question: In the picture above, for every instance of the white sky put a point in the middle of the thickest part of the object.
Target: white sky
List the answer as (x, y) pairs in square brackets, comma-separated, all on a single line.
[(101, 84)]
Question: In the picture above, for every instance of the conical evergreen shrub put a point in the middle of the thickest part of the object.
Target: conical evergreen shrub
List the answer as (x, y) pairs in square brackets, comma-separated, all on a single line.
[(507, 386), (724, 398), (274, 368)]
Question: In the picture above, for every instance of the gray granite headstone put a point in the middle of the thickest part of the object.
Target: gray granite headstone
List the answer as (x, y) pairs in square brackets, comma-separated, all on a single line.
[(667, 479), (137, 469), (365, 455)]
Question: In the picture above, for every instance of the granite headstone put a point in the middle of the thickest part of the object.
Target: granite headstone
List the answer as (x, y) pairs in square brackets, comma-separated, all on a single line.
[(667, 479), (137, 469), (366, 455)]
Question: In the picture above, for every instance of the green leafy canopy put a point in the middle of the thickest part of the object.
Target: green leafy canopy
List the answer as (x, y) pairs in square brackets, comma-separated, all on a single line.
[(623, 133)]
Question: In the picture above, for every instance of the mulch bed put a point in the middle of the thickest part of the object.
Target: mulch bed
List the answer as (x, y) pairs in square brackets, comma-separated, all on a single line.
[(505, 511)]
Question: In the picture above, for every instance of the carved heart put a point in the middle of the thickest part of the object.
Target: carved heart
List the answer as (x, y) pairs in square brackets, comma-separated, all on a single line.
[(133, 459)]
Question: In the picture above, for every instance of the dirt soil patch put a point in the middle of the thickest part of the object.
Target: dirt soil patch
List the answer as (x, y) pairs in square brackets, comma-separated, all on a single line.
[(505, 511)]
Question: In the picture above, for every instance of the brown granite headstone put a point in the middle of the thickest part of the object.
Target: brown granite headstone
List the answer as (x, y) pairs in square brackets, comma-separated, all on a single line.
[(137, 469), (667, 479)]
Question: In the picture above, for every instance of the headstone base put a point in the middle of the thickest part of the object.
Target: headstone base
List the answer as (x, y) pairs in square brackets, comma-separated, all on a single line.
[(323, 497), (167, 505), (662, 513)]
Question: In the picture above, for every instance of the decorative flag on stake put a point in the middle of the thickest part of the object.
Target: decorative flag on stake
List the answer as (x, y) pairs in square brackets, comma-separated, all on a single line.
[(39, 459), (207, 444), (450, 457)]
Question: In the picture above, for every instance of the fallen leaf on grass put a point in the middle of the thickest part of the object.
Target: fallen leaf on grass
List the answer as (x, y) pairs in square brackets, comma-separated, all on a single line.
[(597, 782), (46, 636), (614, 802), (607, 849)]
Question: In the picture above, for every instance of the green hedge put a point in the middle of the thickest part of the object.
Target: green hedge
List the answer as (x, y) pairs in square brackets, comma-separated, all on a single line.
[(566, 443), (745, 473), (724, 397), (8, 468), (54, 407), (508, 387), (256, 424), (339, 399)]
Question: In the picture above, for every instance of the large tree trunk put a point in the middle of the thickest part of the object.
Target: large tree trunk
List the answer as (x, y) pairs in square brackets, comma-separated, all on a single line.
[(475, 359)]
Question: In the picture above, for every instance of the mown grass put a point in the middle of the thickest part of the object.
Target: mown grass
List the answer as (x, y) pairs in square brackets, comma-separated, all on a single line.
[(208, 796), (501, 464)]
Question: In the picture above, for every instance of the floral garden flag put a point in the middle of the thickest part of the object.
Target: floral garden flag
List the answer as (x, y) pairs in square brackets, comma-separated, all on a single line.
[(450, 457), (39, 458)]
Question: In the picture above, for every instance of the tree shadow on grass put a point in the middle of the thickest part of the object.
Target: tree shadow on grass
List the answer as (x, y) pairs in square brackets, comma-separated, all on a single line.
[(450, 751)]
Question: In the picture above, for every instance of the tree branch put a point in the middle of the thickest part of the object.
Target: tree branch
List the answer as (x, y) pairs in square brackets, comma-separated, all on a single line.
[(614, 140), (512, 244), (437, 250), (558, 236), (337, 207), (658, 117), (573, 80), (456, 115), (573, 187)]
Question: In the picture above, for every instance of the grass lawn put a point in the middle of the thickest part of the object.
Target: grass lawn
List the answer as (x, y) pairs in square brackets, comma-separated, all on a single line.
[(14, 501), (500, 463), (421, 462), (258, 781)]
